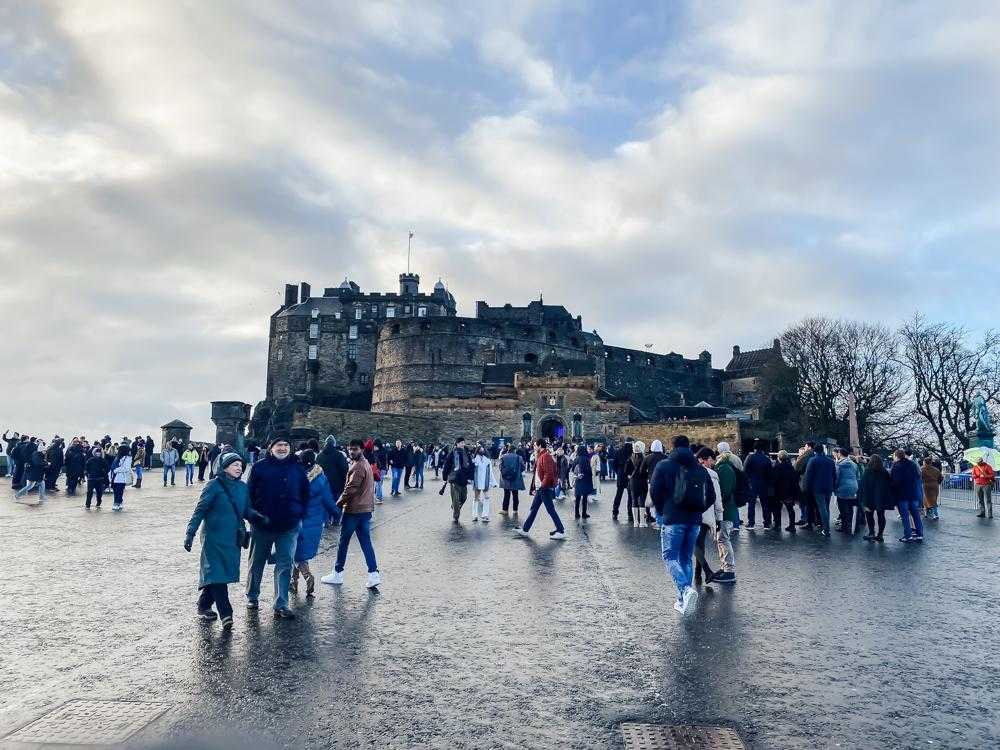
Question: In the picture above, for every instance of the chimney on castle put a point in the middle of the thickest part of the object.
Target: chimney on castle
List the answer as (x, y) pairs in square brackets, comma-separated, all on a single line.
[(306, 292), (736, 351), (291, 295)]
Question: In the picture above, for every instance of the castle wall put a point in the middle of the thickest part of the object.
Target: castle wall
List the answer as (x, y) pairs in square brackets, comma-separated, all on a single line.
[(708, 432), (649, 379), (347, 424)]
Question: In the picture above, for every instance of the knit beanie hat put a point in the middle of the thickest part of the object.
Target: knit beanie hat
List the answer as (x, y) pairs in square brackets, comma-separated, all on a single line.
[(228, 459), (280, 437), (307, 457), (723, 447)]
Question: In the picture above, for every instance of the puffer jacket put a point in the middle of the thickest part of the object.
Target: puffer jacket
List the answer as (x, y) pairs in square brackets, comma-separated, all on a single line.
[(279, 490), (321, 503), (847, 479)]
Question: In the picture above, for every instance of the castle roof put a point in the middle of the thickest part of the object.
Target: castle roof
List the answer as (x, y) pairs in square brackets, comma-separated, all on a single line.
[(176, 425), (751, 361)]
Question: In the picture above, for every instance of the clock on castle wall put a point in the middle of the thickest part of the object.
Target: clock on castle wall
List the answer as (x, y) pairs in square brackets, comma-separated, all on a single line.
[(552, 402)]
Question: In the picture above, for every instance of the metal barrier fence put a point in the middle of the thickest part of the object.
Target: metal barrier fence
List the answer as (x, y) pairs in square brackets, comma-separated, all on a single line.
[(958, 489)]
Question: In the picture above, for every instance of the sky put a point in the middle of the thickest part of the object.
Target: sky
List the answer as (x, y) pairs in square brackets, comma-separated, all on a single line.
[(690, 175)]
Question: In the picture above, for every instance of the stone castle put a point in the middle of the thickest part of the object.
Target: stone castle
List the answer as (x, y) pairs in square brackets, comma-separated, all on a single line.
[(405, 365)]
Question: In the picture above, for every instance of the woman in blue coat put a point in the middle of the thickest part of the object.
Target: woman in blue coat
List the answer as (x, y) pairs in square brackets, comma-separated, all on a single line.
[(321, 503), (584, 476), (224, 504)]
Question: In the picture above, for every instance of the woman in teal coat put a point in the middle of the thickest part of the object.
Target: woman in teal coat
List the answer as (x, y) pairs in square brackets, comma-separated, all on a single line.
[(224, 504)]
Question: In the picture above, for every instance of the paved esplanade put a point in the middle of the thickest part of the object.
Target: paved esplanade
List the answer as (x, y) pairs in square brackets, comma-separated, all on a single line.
[(480, 639)]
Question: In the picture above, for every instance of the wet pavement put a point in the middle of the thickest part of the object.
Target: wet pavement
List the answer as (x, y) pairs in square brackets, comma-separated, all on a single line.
[(480, 639)]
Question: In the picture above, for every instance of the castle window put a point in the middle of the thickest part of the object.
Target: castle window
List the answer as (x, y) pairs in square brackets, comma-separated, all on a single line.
[(364, 378), (577, 426), (313, 351), (530, 358), (357, 313), (390, 311), (313, 330), (395, 328), (406, 310), (526, 421), (281, 354), (649, 360), (337, 315), (352, 351), (374, 309), (315, 313), (421, 312), (352, 332)]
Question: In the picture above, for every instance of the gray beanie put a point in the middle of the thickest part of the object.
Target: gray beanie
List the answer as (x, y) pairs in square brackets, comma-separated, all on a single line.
[(228, 459)]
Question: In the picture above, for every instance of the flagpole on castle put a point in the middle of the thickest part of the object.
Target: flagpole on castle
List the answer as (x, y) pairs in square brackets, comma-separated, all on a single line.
[(409, 243)]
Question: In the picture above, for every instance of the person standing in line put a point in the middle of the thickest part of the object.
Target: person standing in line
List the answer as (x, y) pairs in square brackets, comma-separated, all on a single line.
[(357, 503), (190, 459), (983, 476), (821, 476), (397, 462), (681, 490), (583, 486), (807, 513), (97, 469), (931, 477), (512, 468), (321, 504), (597, 470), (711, 521), (34, 471), (655, 455), (907, 491), (845, 489), (638, 484), (876, 494), (334, 464), (169, 458), (76, 461), (786, 490), (758, 469), (419, 463), (121, 474), (548, 479), (203, 462), (148, 445), (279, 491), (458, 471), (138, 461), (220, 512), (623, 468), (482, 481)]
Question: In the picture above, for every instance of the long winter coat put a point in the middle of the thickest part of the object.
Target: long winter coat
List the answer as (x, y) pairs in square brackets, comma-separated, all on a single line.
[(906, 484), (321, 503), (35, 466), (483, 477), (786, 482), (584, 474), (931, 477), (876, 490), (512, 466), (220, 550)]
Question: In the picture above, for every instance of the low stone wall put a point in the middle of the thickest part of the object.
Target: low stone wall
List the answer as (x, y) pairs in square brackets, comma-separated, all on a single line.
[(346, 424), (708, 432)]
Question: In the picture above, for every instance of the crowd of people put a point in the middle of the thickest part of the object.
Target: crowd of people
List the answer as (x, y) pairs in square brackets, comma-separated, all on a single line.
[(690, 493)]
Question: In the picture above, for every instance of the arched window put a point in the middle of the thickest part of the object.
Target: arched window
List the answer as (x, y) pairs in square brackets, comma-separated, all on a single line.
[(527, 421), (577, 426)]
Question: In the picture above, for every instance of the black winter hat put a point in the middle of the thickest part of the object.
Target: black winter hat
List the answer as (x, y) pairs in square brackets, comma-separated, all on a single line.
[(280, 437)]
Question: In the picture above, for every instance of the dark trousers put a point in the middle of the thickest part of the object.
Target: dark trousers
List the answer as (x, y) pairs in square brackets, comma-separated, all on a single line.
[(580, 497), (752, 509), (845, 509), (870, 516), (17, 477), (618, 500), (406, 476), (96, 487), (201, 472), (507, 495), (72, 480), (700, 561), (119, 493), (543, 496), (217, 594), (772, 511), (51, 475), (776, 512)]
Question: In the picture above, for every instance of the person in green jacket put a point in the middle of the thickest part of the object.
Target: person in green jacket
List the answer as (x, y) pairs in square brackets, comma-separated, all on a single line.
[(190, 459), (724, 467), (224, 504)]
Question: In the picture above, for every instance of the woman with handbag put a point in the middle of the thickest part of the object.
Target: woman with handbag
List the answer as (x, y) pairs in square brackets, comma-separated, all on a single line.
[(121, 475), (221, 510)]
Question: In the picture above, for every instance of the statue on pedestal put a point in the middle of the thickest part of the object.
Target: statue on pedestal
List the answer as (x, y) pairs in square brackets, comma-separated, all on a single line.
[(984, 422)]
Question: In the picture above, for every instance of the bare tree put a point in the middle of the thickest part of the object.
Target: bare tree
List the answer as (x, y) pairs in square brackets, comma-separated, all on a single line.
[(947, 371)]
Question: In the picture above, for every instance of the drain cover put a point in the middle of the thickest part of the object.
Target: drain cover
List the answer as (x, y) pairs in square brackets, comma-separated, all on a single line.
[(658, 737), (85, 722)]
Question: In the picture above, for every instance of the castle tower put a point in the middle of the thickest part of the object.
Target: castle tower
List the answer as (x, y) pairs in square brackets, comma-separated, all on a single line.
[(231, 418), (409, 283)]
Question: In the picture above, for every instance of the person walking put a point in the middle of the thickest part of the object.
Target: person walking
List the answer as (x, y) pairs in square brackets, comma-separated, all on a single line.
[(845, 489), (820, 479), (97, 469), (682, 490), (33, 459), (458, 471), (169, 458), (222, 507), (931, 477), (548, 480), (907, 492), (711, 520), (623, 468), (397, 463), (876, 495), (419, 464), (357, 503), (786, 490), (758, 469), (321, 503), (76, 462), (138, 461), (583, 485), (983, 476), (482, 481), (203, 462), (190, 459), (725, 467), (334, 465), (120, 475), (512, 468), (279, 491)]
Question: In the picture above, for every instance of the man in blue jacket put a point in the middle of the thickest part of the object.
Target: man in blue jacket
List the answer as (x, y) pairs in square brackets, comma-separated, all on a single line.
[(679, 525), (820, 479), (758, 469), (908, 492), (279, 490)]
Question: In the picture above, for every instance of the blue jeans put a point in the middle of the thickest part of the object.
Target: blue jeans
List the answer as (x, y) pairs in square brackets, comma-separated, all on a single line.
[(118, 490), (907, 509), (397, 473), (283, 543), (823, 504), (356, 523), (189, 473), (169, 470), (677, 542), (543, 495), (418, 475), (378, 486)]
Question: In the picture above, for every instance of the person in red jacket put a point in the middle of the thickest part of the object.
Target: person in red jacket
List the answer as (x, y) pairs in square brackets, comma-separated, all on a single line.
[(548, 478), (983, 476)]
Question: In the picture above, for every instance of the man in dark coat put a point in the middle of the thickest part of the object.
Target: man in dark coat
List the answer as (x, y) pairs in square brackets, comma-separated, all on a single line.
[(279, 490), (334, 464), (149, 453), (820, 479), (76, 462), (22, 453), (54, 458), (908, 493), (758, 469), (458, 472)]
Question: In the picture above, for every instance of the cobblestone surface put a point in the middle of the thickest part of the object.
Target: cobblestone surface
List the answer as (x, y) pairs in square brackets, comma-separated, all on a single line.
[(479, 639)]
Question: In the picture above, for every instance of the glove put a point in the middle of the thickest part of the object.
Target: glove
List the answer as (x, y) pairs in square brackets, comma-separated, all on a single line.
[(187, 544)]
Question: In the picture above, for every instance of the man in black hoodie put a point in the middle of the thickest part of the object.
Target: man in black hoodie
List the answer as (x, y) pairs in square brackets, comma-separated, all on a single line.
[(334, 464), (76, 461)]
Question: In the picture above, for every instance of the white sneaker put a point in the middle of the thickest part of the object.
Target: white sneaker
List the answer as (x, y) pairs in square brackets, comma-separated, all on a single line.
[(374, 579), (336, 578), (679, 607), (690, 596), (557, 535), (486, 519), (521, 532)]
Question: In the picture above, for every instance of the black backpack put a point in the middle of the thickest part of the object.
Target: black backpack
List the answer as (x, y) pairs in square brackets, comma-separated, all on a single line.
[(742, 492), (691, 490)]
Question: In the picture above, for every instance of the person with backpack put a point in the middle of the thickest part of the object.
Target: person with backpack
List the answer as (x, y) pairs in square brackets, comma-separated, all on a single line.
[(458, 471), (512, 469), (681, 490)]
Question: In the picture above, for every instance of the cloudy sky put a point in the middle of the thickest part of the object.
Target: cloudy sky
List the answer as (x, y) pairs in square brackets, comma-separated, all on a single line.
[(688, 174)]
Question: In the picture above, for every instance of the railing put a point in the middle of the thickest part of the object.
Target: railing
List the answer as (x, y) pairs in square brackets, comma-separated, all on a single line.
[(958, 489)]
